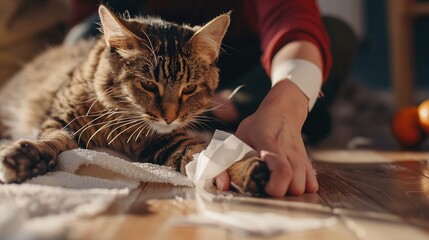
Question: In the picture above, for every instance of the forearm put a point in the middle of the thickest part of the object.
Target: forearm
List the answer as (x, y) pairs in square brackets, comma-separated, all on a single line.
[(298, 50), (305, 75)]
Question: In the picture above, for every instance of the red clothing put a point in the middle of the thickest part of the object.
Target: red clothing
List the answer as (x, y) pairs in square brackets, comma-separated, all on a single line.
[(276, 22), (279, 22)]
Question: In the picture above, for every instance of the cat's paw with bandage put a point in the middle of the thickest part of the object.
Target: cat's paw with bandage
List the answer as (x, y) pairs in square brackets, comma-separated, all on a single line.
[(249, 176)]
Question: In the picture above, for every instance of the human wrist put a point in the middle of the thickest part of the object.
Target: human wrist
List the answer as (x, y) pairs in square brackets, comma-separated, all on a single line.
[(301, 63), (285, 98), (304, 74)]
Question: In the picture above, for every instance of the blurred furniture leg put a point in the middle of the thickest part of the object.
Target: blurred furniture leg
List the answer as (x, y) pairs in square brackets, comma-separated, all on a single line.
[(400, 20), (401, 15)]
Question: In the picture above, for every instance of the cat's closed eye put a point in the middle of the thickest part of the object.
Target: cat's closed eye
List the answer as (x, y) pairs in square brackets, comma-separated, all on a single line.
[(189, 89), (150, 86)]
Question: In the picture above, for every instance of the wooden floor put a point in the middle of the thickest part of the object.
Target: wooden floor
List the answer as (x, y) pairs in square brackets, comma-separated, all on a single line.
[(380, 193), (387, 200)]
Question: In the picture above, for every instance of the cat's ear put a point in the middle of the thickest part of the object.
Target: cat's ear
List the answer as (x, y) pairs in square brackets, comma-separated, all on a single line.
[(115, 33), (206, 42)]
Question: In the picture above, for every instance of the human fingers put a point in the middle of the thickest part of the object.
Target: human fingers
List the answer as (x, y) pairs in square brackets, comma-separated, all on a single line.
[(280, 176), (222, 181), (297, 157), (311, 185)]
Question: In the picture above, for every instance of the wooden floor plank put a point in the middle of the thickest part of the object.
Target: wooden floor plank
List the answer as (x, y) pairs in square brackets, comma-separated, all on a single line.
[(370, 200), (381, 187)]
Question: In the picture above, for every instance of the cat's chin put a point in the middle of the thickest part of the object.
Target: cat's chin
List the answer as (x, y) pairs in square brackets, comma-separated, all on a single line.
[(164, 128)]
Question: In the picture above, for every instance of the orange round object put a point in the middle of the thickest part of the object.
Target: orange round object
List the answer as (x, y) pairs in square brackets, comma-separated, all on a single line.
[(423, 110), (406, 127)]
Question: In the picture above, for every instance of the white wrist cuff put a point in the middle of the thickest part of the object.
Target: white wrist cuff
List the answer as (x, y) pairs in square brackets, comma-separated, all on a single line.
[(304, 74)]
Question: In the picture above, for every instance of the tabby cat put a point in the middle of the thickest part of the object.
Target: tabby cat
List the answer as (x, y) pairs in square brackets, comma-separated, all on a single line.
[(137, 90)]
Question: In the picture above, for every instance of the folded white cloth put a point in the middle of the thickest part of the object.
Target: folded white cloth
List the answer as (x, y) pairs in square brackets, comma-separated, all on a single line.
[(224, 150)]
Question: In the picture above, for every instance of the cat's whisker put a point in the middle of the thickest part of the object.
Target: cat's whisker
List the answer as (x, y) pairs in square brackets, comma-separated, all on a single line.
[(89, 125), (224, 51), (123, 124), (97, 98), (132, 134), (193, 124), (214, 107), (211, 109), (95, 133), (190, 126), (115, 121), (92, 105), (201, 113), (208, 109), (150, 131), (146, 127), (201, 124), (78, 117), (123, 132), (207, 119), (109, 113), (105, 125), (88, 100), (235, 91), (108, 124), (82, 116), (202, 116), (197, 126)]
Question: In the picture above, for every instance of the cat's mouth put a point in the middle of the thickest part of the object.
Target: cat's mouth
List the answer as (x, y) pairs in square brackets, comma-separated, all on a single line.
[(163, 127)]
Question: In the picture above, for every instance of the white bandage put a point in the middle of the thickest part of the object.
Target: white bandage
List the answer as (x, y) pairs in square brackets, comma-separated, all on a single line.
[(304, 74), (224, 150)]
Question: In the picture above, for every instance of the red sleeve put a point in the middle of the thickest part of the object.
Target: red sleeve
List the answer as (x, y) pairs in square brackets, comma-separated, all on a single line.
[(279, 22)]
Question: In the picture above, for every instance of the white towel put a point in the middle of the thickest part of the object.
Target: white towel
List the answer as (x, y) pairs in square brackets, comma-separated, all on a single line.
[(89, 181), (85, 185)]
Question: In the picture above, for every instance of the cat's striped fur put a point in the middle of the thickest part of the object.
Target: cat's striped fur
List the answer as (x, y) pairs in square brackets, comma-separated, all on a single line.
[(137, 90)]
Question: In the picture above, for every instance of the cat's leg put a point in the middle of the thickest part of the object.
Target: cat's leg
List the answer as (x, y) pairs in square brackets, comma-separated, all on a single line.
[(249, 175), (25, 159)]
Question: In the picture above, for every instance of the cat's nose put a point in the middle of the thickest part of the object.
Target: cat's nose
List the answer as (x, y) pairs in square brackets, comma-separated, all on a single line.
[(169, 120), (169, 112)]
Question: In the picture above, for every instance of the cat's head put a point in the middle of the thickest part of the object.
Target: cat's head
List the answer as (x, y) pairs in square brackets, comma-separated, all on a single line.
[(163, 72)]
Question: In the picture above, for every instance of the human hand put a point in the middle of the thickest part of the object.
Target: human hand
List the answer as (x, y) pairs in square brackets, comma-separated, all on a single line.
[(274, 131)]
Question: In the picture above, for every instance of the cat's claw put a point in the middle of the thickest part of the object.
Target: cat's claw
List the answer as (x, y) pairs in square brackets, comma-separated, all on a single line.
[(22, 161)]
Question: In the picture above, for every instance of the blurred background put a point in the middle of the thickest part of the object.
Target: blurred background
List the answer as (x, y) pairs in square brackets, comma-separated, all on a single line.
[(390, 71), (370, 21)]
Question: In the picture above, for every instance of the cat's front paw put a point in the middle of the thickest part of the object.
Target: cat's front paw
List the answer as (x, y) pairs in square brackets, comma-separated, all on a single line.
[(21, 161), (249, 176)]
